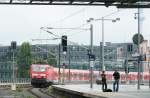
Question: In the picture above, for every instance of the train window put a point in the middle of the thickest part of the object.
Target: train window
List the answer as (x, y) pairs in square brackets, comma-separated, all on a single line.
[(37, 68), (80, 75)]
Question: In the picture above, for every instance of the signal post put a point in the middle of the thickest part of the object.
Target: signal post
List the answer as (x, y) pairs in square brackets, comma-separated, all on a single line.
[(64, 49)]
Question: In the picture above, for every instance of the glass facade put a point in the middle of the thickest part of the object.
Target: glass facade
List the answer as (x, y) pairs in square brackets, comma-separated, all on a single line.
[(77, 56)]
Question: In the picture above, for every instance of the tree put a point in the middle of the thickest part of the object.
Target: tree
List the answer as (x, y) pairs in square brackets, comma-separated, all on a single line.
[(24, 60), (52, 58), (39, 61)]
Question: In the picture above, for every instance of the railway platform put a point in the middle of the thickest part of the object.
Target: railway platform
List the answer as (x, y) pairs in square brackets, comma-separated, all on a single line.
[(125, 91)]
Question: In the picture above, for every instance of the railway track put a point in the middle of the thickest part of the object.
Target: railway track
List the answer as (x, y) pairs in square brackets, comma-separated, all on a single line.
[(40, 93)]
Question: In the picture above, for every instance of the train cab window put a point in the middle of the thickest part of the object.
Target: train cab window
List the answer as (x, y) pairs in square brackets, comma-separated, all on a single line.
[(37, 68)]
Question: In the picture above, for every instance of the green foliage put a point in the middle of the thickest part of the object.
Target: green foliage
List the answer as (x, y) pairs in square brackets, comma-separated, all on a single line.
[(19, 89), (50, 89), (62, 96), (29, 96), (51, 58), (24, 60)]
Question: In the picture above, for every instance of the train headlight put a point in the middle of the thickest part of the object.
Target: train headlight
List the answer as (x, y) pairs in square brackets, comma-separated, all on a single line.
[(34, 75), (43, 75), (39, 75)]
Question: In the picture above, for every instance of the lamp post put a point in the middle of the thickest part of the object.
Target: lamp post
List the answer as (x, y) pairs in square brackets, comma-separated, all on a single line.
[(138, 87), (91, 53), (69, 63), (13, 48), (137, 16), (103, 19), (59, 47)]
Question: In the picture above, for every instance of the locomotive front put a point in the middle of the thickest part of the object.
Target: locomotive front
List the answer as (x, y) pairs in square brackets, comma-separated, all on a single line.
[(39, 74)]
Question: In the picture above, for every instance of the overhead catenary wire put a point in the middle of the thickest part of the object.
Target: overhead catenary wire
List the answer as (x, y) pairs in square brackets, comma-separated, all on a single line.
[(85, 24), (78, 27), (67, 17), (70, 15), (82, 25), (60, 38)]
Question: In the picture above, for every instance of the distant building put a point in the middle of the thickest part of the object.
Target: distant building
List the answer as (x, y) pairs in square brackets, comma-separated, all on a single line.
[(144, 50), (115, 55)]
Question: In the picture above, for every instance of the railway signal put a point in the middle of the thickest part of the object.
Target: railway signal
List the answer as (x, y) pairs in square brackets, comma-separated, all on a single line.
[(129, 47), (64, 43), (13, 45)]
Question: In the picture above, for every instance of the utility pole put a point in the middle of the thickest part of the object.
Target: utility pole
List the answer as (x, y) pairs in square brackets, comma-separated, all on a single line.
[(138, 48), (103, 66), (13, 48), (103, 19), (13, 66), (69, 63), (91, 41), (126, 64), (59, 63), (91, 48)]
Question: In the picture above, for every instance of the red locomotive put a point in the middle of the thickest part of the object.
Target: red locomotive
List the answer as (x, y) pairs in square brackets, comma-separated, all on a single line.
[(42, 75)]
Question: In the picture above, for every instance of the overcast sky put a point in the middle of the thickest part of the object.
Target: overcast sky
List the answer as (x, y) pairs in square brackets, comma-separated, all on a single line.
[(23, 22)]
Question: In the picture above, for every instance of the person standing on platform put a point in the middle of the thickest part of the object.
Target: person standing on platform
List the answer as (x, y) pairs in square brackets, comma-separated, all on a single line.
[(116, 76), (104, 84)]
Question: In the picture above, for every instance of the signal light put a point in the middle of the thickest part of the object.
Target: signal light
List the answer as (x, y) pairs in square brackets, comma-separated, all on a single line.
[(127, 71), (64, 43), (13, 45), (129, 47)]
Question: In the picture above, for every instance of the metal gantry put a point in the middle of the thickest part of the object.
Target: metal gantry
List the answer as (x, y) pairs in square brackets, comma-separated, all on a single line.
[(107, 3)]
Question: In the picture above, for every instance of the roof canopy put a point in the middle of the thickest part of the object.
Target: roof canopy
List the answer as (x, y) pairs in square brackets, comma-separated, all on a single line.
[(107, 3)]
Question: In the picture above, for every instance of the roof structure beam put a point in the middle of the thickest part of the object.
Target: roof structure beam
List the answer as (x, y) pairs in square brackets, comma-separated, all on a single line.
[(133, 6), (30, 1), (11, 1), (107, 3)]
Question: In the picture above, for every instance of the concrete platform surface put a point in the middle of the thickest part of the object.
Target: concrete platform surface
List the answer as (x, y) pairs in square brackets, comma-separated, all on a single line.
[(125, 91)]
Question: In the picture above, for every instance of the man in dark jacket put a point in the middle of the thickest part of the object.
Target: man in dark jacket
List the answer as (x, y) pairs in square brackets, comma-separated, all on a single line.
[(116, 76), (104, 84)]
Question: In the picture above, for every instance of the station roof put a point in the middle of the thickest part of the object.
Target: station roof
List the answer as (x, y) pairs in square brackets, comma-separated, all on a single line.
[(107, 3)]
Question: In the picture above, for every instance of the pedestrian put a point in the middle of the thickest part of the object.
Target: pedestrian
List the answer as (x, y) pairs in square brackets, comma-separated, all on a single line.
[(104, 84), (116, 76)]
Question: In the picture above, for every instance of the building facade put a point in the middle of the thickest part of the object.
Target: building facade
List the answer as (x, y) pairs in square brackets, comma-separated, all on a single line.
[(115, 56)]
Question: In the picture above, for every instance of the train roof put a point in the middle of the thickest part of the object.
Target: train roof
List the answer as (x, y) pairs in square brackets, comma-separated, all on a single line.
[(40, 65)]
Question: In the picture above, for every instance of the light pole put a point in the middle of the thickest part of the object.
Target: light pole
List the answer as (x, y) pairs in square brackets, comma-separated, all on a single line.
[(138, 48), (91, 53), (138, 44), (59, 47), (69, 63), (103, 19), (13, 48)]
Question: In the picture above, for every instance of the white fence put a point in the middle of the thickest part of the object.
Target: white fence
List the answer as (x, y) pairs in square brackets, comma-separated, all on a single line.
[(17, 81)]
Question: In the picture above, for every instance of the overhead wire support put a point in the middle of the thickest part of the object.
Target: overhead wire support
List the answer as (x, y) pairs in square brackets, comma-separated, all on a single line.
[(69, 28), (45, 39), (59, 37), (42, 28)]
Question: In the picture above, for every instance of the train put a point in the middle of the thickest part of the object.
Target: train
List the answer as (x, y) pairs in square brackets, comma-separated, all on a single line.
[(43, 75)]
